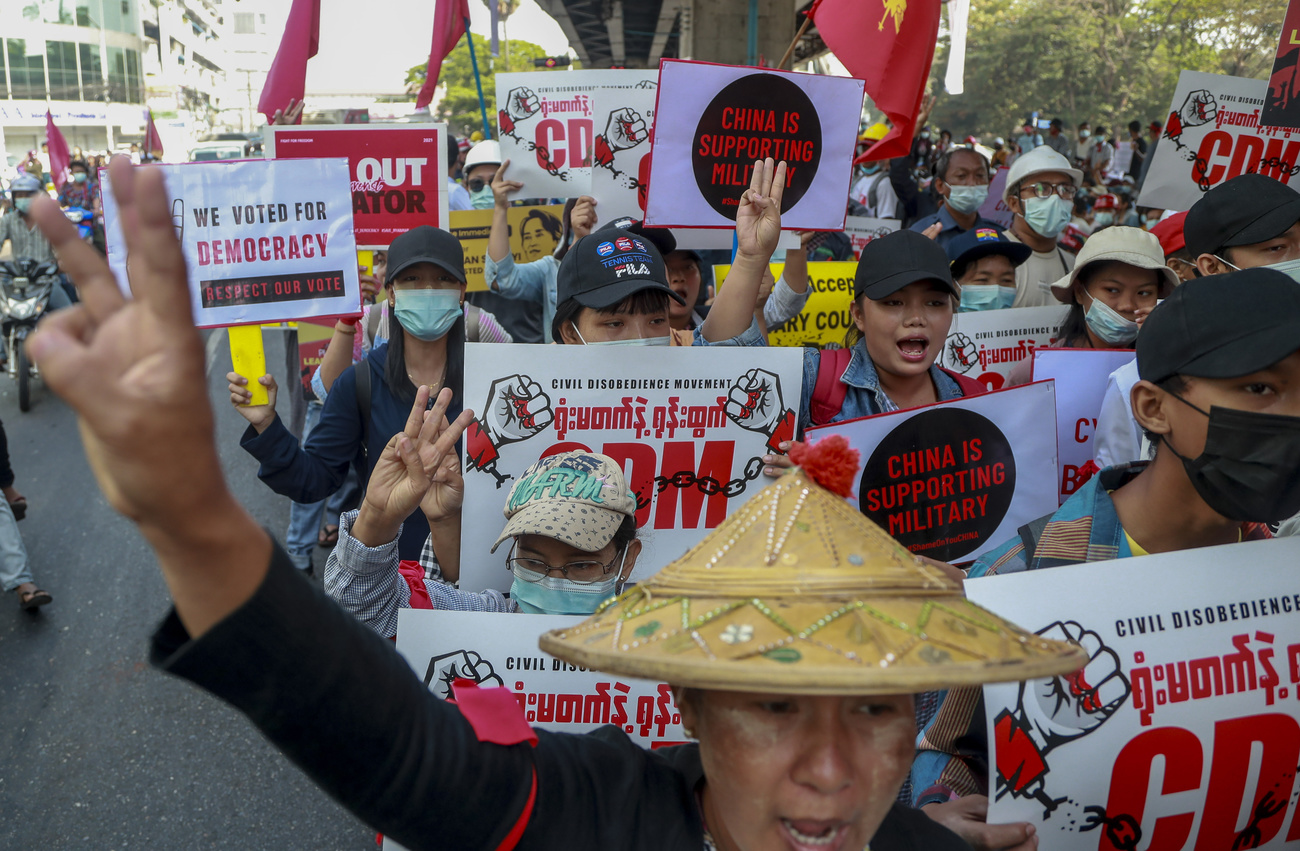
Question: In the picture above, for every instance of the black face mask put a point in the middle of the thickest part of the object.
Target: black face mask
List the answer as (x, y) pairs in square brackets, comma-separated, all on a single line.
[(1250, 467)]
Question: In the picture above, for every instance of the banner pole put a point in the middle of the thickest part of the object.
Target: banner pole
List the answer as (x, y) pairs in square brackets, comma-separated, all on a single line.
[(478, 83), (789, 51)]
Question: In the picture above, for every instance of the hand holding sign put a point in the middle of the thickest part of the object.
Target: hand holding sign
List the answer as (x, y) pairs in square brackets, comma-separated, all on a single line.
[(758, 219), (501, 187), (258, 416), (1198, 108)]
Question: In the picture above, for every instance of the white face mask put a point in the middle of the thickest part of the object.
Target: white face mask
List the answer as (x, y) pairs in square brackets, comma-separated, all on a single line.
[(632, 341), (1290, 268)]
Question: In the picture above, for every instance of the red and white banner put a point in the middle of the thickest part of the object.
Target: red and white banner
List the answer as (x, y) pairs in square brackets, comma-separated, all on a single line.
[(1081, 376), (987, 344), (398, 172), (1182, 732), (1213, 134), (714, 121), (953, 480), (689, 426), (863, 229), (264, 240)]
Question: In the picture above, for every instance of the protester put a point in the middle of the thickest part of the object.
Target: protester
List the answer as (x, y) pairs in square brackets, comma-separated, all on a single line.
[(1154, 129), (1119, 276), (1177, 255), (457, 194), (1056, 140), (873, 191), (82, 190), (15, 572), (571, 514), (1250, 220), (19, 228), (1029, 139), (1040, 194), (1100, 158), (1082, 217), (1125, 214), (370, 401), (1083, 147), (533, 283), (1000, 153), (1139, 147), (1220, 350), (961, 179), (1104, 211), (984, 265)]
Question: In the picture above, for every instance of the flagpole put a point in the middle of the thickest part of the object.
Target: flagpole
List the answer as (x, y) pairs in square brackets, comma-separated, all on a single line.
[(807, 21), (478, 82)]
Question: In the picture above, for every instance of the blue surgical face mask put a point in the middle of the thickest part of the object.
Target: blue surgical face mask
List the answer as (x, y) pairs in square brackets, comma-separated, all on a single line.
[(427, 314), (967, 199), (630, 341), (556, 595), (1047, 216), (22, 205), (985, 297), (1109, 325), (1103, 219), (1291, 268), (79, 177), (482, 199)]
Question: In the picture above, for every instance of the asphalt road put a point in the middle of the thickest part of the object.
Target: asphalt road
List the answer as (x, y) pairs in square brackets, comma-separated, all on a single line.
[(97, 749)]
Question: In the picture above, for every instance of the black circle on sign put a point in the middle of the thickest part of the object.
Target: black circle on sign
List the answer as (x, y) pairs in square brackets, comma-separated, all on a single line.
[(757, 113), (940, 483)]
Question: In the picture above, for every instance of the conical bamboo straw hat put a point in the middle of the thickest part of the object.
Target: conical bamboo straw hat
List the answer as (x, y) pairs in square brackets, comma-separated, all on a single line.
[(799, 593)]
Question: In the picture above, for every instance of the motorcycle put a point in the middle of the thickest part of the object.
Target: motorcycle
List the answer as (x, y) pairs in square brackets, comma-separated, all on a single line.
[(25, 287), (84, 220)]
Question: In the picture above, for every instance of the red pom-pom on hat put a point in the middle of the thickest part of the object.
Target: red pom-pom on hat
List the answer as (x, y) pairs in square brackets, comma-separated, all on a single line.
[(831, 463)]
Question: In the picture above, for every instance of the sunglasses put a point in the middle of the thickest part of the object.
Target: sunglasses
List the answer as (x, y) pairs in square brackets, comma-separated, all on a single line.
[(476, 184)]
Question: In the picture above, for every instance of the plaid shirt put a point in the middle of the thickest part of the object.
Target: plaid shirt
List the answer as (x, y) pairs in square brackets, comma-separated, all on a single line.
[(367, 582), (27, 241)]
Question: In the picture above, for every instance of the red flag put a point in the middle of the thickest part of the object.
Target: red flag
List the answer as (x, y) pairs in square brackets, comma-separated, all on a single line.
[(450, 19), (287, 79), (59, 156), (890, 45), (152, 141)]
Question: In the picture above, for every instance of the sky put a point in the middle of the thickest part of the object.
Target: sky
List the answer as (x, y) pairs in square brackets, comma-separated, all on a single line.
[(370, 52)]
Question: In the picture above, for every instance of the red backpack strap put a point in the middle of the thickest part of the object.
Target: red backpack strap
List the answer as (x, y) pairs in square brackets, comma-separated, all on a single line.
[(968, 386), (829, 392)]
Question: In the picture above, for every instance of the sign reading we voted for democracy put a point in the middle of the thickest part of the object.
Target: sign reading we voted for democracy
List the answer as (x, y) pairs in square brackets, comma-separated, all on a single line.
[(548, 126), (954, 480), (688, 426), (1181, 733), (1081, 376), (264, 240), (712, 123), (1213, 133), (987, 345), (398, 172), (534, 232)]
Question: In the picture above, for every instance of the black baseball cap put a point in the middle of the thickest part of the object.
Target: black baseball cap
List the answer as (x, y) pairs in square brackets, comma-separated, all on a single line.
[(1221, 326), (1248, 209), (610, 264), (662, 237), (980, 242), (891, 262), (426, 244)]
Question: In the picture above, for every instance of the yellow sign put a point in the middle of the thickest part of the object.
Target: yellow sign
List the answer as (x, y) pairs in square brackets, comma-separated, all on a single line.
[(534, 233), (825, 319)]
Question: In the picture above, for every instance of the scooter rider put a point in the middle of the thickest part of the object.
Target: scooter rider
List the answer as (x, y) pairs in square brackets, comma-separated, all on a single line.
[(26, 240)]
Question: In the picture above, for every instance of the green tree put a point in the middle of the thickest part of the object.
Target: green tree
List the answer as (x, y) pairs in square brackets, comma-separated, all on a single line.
[(459, 106), (1105, 61)]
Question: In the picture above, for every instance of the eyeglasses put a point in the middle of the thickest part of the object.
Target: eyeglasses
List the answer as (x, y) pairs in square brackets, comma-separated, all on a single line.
[(1047, 190), (581, 572), (475, 184)]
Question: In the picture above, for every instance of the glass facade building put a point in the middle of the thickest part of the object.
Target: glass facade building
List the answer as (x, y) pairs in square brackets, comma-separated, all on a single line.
[(71, 50)]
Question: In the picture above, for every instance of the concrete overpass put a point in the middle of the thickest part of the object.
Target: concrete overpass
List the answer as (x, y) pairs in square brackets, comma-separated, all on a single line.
[(638, 33)]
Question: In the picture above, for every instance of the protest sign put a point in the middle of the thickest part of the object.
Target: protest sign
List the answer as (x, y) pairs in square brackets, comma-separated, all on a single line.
[(313, 340), (1080, 376), (994, 208), (1213, 134), (862, 229), (1282, 108), (264, 240), (825, 319), (714, 121), (688, 426), (987, 344), (1181, 732), (398, 172), (620, 168), (548, 126), (953, 480), (534, 233)]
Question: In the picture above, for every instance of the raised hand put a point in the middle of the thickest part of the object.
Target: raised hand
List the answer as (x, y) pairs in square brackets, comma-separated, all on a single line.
[(758, 219), (501, 187), (259, 417), (291, 114)]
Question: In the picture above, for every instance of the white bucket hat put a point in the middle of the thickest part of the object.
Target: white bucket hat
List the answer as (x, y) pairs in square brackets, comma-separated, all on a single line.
[(1038, 161)]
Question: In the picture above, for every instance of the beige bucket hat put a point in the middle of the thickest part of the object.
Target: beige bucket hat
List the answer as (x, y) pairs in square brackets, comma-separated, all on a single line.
[(1133, 246)]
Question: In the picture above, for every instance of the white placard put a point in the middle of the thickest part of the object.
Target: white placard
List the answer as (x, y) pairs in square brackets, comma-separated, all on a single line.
[(671, 417), (994, 208), (987, 344), (714, 121), (1212, 134), (953, 480), (620, 168), (863, 229), (264, 240), (1182, 731), (547, 126), (1081, 376)]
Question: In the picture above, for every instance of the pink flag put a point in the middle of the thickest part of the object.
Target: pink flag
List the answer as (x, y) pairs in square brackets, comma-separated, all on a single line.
[(59, 156), (287, 79), (152, 141), (450, 18)]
